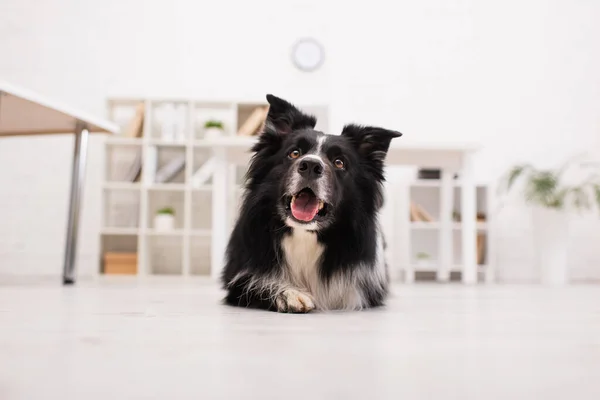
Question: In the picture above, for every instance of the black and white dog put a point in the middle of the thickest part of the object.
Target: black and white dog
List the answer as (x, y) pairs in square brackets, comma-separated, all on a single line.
[(307, 235)]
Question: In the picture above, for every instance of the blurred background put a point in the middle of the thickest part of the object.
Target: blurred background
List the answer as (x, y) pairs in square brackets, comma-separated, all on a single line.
[(517, 79)]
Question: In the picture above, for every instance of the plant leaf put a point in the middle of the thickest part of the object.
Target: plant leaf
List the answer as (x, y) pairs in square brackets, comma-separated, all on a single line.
[(597, 193), (542, 189), (515, 172)]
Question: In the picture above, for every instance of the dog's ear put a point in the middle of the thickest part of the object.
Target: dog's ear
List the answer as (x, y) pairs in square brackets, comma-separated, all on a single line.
[(283, 117), (371, 142)]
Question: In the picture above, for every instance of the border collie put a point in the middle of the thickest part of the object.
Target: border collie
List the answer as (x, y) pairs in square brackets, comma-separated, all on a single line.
[(307, 236)]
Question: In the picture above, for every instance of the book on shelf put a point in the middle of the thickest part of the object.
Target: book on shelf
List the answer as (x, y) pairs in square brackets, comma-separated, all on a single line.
[(418, 213), (203, 173), (481, 217), (481, 248), (134, 172), (254, 122), (168, 171), (172, 121), (136, 125), (129, 167)]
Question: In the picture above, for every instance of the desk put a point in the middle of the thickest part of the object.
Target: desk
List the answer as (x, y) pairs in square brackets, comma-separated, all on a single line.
[(23, 112), (450, 158)]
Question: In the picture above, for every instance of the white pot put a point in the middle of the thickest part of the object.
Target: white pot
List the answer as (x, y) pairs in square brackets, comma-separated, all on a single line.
[(423, 262), (213, 133), (164, 222), (550, 232)]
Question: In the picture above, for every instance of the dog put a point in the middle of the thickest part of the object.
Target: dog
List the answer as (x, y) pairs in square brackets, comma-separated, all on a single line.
[(307, 235)]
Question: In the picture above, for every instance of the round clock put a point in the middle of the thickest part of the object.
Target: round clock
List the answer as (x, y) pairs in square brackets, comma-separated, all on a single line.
[(308, 54)]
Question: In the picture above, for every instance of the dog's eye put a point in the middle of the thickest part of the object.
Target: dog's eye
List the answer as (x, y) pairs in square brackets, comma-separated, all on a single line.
[(338, 163), (294, 154)]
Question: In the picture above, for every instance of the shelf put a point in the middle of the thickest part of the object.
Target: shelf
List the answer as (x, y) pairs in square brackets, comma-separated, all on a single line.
[(201, 233), (167, 143), (122, 185), (424, 225), (166, 187), (480, 226), (214, 105), (227, 140), (202, 188), (123, 141), (174, 232), (426, 183), (435, 267), (119, 231), (436, 183)]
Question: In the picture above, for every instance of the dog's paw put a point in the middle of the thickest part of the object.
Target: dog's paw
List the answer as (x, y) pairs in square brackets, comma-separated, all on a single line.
[(294, 301)]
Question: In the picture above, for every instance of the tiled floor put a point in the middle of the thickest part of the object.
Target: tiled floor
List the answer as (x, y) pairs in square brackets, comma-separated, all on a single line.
[(171, 339)]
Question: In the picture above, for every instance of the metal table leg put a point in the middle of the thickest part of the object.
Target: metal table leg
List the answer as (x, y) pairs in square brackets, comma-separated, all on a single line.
[(77, 180)]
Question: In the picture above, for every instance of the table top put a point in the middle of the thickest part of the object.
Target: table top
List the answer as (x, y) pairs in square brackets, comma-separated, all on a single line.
[(24, 112)]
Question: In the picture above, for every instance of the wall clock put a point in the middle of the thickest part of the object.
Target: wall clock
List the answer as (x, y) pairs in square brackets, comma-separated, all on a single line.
[(308, 54)]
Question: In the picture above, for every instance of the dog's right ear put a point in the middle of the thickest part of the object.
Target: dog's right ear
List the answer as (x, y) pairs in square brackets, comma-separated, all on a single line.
[(283, 117)]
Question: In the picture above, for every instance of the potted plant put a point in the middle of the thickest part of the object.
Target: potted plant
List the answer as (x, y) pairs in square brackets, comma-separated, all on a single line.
[(213, 129), (552, 195), (164, 220)]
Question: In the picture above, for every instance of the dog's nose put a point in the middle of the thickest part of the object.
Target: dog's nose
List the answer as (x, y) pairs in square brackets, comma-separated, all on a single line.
[(310, 168)]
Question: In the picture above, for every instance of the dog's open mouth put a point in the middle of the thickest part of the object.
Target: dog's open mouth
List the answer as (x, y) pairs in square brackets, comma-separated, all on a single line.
[(305, 206)]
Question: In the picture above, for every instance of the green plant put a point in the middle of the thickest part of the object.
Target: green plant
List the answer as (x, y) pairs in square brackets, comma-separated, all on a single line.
[(422, 256), (549, 188), (212, 123), (166, 211)]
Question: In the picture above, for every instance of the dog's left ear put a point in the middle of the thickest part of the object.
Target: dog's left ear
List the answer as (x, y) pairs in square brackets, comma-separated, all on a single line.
[(371, 142), (283, 117)]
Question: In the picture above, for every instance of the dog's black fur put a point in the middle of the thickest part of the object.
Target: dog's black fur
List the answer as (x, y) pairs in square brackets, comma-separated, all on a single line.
[(257, 270)]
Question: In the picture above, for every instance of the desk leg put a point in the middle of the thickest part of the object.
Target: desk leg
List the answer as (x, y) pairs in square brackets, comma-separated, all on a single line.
[(220, 209), (77, 181), (446, 234), (468, 219)]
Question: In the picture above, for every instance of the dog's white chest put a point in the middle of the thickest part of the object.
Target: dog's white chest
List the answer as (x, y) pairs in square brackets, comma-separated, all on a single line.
[(302, 254)]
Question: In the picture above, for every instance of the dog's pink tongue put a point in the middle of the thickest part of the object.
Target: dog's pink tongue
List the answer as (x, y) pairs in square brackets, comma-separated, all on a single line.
[(305, 207)]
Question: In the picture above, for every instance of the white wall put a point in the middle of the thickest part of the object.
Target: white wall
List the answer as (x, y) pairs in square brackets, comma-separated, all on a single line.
[(521, 77)]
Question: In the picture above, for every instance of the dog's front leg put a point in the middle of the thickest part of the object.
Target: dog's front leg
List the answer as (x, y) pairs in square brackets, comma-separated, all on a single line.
[(269, 293), (294, 300)]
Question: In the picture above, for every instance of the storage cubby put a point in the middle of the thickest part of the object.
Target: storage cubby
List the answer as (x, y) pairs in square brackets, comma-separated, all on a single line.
[(200, 254), (424, 249), (427, 200), (165, 254), (120, 244), (209, 111), (121, 208), (124, 162), (170, 120), (249, 111), (159, 199), (167, 164), (201, 210), (123, 112), (201, 171)]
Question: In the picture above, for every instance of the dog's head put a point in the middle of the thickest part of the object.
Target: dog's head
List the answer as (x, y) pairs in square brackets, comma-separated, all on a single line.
[(315, 177)]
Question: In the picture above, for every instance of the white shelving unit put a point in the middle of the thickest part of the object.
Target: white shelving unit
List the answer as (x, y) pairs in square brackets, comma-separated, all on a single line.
[(129, 207), (426, 237)]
